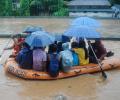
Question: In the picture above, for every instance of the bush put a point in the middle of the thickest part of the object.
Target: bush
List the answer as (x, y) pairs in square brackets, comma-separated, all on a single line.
[(61, 12)]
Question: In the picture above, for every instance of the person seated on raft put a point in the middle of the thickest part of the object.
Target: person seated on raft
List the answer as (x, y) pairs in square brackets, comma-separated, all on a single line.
[(66, 58), (39, 59), (82, 52), (24, 57), (76, 60), (53, 62), (18, 40), (99, 50)]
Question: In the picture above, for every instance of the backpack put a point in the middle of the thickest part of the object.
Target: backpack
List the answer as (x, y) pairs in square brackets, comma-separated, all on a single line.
[(75, 59), (53, 65), (67, 61), (24, 58)]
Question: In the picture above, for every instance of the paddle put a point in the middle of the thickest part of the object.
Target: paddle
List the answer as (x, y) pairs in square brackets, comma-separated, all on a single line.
[(99, 63)]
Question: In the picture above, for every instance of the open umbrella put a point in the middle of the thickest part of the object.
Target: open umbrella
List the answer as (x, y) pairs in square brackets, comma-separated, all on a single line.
[(39, 39), (31, 29), (62, 38), (86, 21), (83, 32)]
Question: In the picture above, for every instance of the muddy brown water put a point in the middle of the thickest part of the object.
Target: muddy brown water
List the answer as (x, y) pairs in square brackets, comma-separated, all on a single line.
[(84, 87)]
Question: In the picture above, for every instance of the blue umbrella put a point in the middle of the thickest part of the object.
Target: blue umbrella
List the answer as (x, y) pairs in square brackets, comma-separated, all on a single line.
[(39, 39), (31, 29), (58, 37), (86, 21), (83, 32), (62, 38)]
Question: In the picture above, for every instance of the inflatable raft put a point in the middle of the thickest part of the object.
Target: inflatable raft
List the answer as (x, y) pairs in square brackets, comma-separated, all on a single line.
[(12, 67)]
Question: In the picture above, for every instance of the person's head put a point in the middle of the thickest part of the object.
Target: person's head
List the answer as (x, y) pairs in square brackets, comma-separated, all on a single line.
[(98, 43), (74, 45), (52, 48), (65, 46), (81, 43)]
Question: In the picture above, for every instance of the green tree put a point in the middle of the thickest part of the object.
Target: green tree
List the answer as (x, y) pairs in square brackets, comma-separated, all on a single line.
[(61, 12), (25, 7), (62, 8), (8, 8), (50, 6), (2, 7), (35, 7), (46, 7)]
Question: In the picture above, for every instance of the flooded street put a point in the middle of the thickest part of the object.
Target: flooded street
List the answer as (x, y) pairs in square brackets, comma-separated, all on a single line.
[(84, 87)]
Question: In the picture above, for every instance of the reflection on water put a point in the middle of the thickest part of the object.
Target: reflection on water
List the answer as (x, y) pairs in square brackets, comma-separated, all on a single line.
[(84, 87)]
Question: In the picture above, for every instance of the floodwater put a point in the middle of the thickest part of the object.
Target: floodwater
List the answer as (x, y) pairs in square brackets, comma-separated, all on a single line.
[(84, 87)]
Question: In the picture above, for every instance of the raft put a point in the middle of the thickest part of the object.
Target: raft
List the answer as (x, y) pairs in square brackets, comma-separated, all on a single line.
[(12, 67)]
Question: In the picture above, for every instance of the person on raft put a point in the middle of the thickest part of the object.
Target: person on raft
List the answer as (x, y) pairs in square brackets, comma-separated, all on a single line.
[(39, 59), (25, 57), (99, 50), (76, 61), (66, 57), (18, 40), (53, 62)]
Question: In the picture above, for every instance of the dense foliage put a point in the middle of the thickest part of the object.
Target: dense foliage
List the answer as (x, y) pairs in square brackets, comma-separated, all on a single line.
[(47, 7), (37, 7), (34, 7), (8, 8), (2, 7), (24, 7)]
